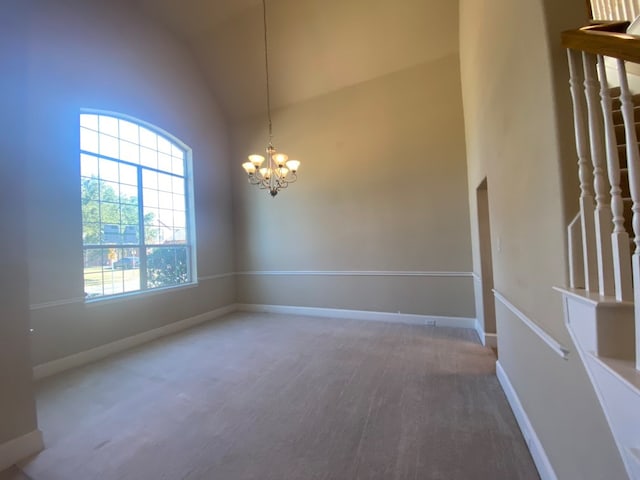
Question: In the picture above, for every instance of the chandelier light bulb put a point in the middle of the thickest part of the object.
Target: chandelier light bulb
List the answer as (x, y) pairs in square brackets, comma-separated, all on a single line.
[(265, 172), (293, 165), (280, 159), (256, 159), (249, 167)]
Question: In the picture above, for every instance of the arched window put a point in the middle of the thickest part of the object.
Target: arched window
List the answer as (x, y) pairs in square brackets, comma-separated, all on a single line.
[(137, 224)]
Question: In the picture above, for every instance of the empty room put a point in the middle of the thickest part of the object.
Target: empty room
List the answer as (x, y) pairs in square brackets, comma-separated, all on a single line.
[(319, 239)]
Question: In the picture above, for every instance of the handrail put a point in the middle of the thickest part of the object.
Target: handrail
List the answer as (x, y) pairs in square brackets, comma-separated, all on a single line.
[(605, 39), (608, 26)]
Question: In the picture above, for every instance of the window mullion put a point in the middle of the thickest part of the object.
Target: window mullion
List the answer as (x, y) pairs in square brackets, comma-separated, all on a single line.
[(142, 251)]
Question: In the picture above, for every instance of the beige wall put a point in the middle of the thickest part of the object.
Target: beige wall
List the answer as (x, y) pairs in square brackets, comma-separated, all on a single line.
[(99, 55), (518, 132), (17, 406), (382, 187)]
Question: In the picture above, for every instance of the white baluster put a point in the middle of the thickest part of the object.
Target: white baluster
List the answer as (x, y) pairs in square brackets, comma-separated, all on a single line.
[(633, 157), (624, 11), (619, 237), (584, 173), (598, 10), (633, 164), (576, 262), (602, 215)]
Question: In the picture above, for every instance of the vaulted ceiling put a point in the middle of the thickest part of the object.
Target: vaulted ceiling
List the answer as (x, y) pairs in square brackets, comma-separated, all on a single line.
[(315, 46)]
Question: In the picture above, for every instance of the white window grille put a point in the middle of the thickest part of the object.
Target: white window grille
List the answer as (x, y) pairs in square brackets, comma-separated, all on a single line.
[(137, 218)]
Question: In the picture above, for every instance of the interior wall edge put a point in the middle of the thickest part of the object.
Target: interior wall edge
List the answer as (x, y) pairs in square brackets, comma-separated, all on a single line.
[(487, 339)]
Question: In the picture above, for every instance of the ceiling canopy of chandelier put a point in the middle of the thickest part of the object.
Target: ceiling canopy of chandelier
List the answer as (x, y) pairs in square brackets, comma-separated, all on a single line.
[(278, 171)]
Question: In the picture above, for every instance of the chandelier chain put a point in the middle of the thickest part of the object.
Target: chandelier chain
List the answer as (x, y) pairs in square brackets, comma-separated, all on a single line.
[(279, 171), (266, 67)]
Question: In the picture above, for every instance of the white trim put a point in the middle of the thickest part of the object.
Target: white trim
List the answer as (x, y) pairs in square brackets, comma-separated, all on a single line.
[(475, 276), (217, 276), (315, 273), (81, 358), (355, 273), (489, 340), (136, 295), (593, 299), (56, 303), (13, 451), (534, 327), (531, 438), (434, 320)]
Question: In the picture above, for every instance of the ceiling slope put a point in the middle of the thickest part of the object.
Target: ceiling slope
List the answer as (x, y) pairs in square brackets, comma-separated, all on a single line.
[(315, 46)]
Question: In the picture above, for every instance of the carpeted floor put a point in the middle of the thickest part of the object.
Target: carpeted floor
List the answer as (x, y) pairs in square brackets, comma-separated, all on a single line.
[(270, 397)]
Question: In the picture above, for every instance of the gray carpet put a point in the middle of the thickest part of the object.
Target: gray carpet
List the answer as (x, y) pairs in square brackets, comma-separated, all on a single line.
[(268, 397)]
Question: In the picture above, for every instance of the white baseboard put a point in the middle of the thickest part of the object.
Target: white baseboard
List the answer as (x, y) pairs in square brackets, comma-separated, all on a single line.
[(13, 451), (98, 353), (103, 351), (489, 340), (531, 438), (441, 321)]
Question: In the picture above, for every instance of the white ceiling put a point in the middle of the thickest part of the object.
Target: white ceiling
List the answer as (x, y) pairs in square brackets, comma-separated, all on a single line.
[(315, 46)]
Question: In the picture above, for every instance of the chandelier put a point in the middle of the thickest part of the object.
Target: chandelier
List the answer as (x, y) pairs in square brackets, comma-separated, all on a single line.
[(278, 171)]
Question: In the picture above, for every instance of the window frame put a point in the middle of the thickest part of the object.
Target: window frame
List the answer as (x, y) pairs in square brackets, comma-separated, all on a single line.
[(142, 246)]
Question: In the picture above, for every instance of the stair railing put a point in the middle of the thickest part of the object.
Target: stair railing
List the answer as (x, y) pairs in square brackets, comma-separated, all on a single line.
[(607, 263)]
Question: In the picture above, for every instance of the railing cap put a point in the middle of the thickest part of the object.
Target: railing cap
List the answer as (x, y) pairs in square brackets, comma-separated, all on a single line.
[(608, 39)]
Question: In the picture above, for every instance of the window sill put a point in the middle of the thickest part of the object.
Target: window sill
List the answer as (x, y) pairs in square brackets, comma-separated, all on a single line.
[(140, 294)]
